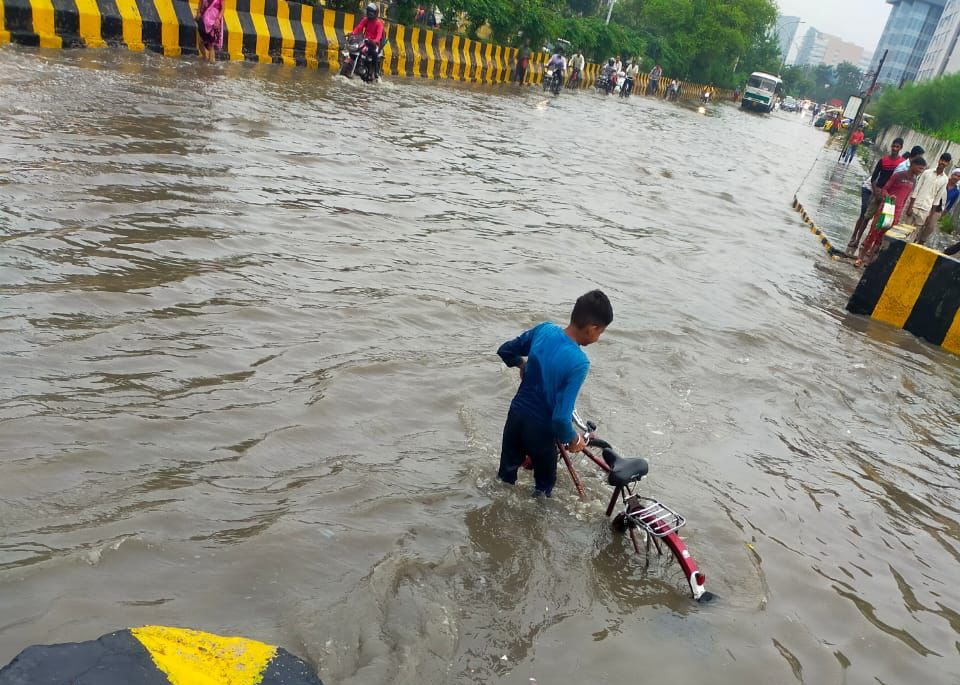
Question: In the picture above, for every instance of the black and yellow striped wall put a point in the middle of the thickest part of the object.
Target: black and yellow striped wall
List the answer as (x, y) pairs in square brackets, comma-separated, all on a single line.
[(914, 288), (158, 655), (270, 31)]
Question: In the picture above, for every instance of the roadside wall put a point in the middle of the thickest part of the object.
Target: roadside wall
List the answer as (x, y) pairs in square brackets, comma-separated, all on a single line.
[(914, 288), (269, 31), (934, 146), (266, 31)]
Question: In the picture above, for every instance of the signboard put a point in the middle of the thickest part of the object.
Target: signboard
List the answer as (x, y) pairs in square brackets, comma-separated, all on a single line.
[(853, 106)]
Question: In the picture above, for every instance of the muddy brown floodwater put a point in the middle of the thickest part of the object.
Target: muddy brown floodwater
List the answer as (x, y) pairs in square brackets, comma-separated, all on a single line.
[(248, 331)]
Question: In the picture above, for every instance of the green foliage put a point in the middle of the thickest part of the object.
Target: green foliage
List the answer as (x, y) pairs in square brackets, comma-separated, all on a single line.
[(352, 6), (929, 107), (823, 83), (945, 224), (711, 41), (406, 11), (705, 40)]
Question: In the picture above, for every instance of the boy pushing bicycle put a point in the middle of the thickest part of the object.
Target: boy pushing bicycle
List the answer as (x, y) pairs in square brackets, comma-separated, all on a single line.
[(552, 369)]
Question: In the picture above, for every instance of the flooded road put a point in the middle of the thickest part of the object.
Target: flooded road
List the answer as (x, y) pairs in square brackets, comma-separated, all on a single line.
[(248, 333)]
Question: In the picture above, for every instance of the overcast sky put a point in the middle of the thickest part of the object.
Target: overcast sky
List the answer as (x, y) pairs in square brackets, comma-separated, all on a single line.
[(858, 21)]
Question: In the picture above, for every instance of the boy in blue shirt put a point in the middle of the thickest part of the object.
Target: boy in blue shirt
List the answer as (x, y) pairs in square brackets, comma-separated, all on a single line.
[(552, 369)]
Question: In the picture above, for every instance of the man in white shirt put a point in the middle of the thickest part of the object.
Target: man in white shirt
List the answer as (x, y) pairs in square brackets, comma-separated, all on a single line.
[(577, 62), (915, 151), (557, 62), (928, 199), (630, 78)]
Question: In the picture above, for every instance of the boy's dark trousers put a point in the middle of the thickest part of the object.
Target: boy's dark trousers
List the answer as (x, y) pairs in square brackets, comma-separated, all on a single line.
[(522, 436)]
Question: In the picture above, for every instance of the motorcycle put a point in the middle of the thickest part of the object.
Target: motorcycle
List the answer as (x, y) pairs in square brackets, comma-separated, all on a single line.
[(359, 59), (607, 81), (553, 80)]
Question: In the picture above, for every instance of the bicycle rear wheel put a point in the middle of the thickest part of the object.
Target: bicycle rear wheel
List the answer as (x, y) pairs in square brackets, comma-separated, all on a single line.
[(661, 524)]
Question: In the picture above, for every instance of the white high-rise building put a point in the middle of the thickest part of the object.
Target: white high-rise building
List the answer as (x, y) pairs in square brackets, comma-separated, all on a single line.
[(787, 29), (942, 56)]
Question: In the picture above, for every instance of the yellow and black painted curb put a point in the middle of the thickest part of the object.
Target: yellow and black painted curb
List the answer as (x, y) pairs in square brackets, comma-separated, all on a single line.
[(271, 31), (831, 250), (158, 655), (914, 288), (266, 31)]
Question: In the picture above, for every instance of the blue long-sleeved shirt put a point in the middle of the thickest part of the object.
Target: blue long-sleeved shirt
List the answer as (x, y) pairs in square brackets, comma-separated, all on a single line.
[(556, 368)]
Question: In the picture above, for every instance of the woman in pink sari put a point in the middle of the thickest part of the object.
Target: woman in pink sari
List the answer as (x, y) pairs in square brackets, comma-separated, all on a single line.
[(210, 28)]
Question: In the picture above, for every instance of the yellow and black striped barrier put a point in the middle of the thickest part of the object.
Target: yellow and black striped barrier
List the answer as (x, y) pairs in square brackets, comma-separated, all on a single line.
[(157, 655), (269, 31), (914, 288), (831, 250)]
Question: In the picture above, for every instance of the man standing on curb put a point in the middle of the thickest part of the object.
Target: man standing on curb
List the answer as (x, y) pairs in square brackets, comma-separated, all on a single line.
[(927, 200), (653, 84), (881, 174)]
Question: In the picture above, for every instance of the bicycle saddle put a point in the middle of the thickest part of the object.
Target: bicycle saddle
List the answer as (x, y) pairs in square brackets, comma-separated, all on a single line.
[(624, 471)]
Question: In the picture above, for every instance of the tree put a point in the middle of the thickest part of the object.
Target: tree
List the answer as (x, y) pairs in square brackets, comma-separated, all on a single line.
[(799, 82), (929, 107), (848, 80)]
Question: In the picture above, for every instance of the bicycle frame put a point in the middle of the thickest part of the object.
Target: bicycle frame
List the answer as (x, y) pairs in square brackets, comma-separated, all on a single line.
[(659, 521)]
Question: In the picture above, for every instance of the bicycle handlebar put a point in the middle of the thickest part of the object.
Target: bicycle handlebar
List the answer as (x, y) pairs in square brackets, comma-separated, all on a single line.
[(588, 428)]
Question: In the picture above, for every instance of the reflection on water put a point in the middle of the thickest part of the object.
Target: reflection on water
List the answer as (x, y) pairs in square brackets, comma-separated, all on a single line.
[(248, 331)]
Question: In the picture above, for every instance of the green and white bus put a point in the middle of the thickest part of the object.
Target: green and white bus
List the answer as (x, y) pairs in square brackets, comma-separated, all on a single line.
[(761, 92)]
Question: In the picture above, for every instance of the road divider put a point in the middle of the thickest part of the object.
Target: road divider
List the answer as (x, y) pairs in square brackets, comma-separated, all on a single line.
[(914, 288), (273, 32)]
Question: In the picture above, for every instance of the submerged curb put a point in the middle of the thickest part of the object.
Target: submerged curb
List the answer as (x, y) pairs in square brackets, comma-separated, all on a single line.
[(831, 250)]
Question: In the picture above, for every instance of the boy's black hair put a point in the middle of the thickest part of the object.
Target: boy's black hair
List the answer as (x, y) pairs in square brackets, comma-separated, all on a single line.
[(918, 160), (593, 308), (897, 141), (946, 157)]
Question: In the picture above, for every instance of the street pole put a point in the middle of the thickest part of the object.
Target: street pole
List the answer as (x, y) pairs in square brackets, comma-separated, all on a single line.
[(855, 124), (610, 10)]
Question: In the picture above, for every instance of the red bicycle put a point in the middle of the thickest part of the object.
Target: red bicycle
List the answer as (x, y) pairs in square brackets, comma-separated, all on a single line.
[(658, 521)]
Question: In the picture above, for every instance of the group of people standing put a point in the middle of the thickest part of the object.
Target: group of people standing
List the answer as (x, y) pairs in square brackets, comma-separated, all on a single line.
[(919, 195)]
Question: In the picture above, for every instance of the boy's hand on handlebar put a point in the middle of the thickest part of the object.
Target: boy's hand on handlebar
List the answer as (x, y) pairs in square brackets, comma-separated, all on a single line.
[(576, 445)]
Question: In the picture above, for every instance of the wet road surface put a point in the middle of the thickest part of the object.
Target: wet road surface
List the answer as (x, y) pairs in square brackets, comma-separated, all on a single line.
[(248, 336)]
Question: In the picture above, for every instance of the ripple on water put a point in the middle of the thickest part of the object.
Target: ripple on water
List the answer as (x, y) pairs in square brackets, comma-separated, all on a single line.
[(249, 330)]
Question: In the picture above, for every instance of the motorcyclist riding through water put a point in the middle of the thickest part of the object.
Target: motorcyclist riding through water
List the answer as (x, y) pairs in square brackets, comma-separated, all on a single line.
[(557, 61), (608, 77), (371, 26)]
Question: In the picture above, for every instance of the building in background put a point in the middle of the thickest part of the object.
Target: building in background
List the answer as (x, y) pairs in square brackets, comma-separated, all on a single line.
[(942, 56), (811, 47), (788, 29), (837, 51), (817, 48), (906, 36)]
